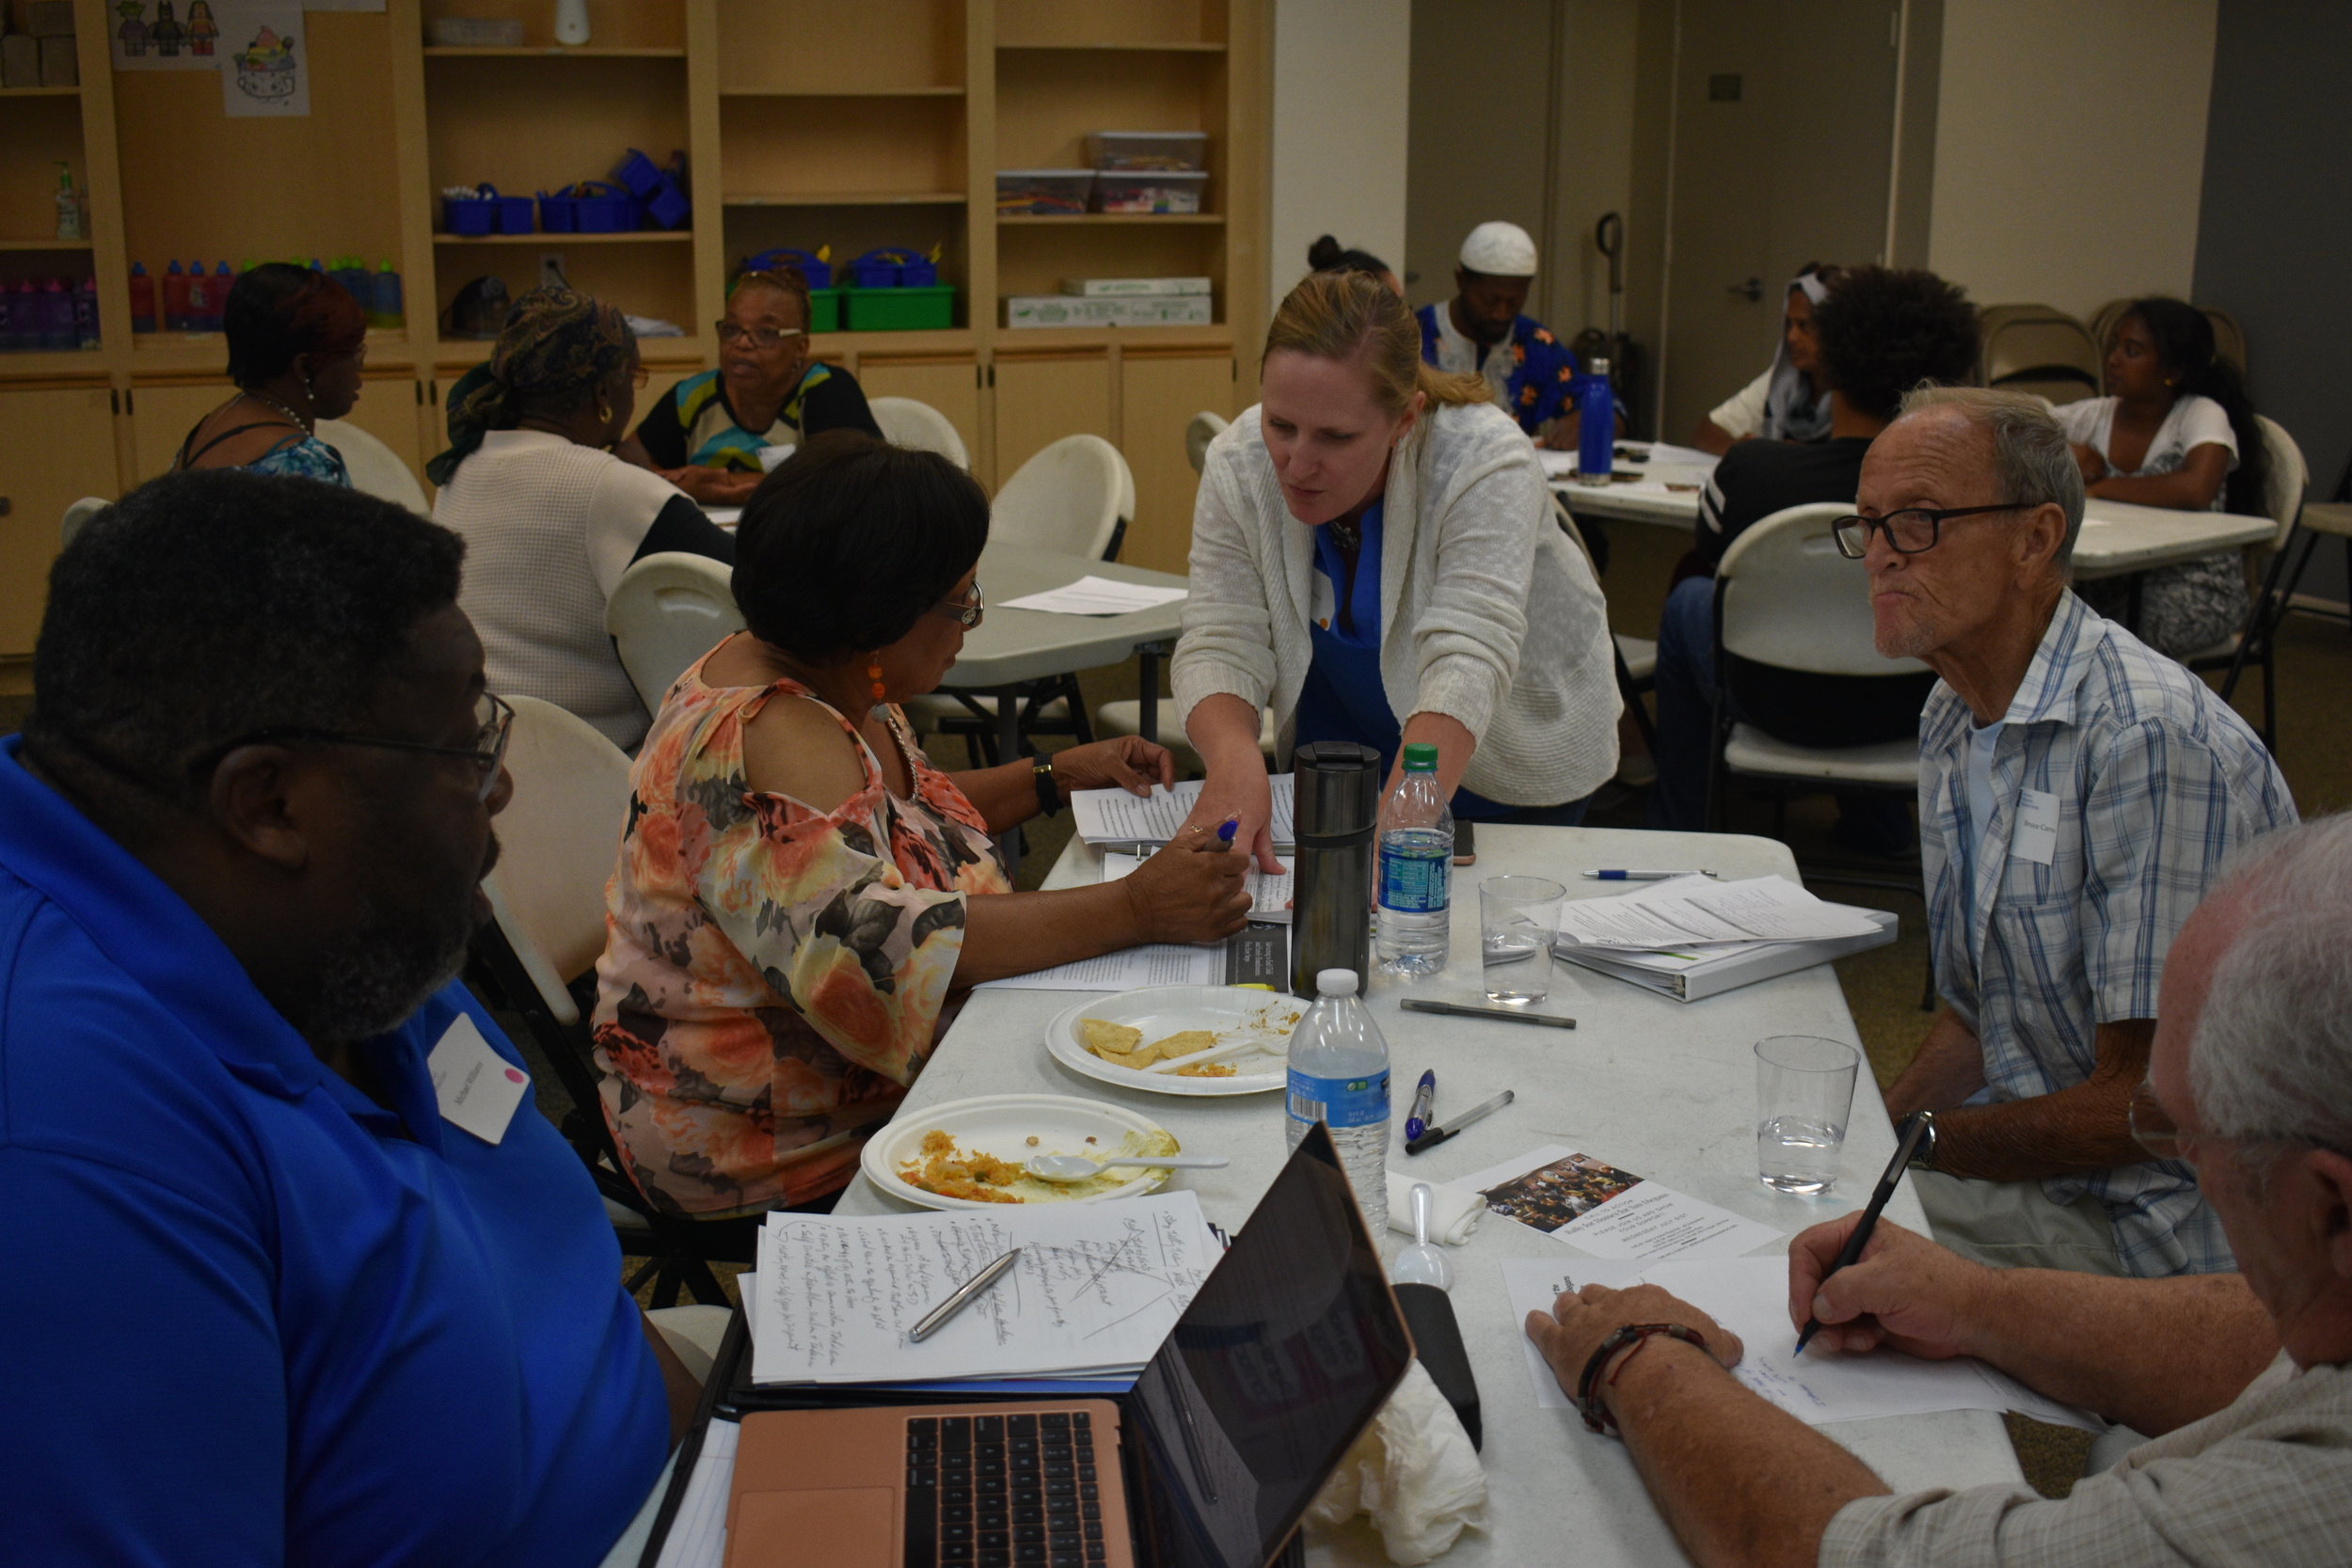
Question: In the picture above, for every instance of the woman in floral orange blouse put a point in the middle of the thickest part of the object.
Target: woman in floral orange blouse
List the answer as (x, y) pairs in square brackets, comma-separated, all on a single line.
[(801, 897)]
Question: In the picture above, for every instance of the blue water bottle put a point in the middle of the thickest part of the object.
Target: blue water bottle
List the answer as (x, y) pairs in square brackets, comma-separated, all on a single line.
[(1596, 431)]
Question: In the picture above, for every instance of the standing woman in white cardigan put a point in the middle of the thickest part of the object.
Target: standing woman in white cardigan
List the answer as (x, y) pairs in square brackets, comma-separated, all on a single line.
[(1374, 557)]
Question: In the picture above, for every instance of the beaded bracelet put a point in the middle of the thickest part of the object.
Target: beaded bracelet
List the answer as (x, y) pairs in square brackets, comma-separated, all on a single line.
[(1596, 1417)]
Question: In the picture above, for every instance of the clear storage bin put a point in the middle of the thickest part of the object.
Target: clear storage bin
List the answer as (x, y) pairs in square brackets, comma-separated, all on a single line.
[(1153, 191)]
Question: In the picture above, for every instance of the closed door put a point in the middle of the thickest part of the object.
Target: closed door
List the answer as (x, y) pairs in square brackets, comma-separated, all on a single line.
[(950, 385), (1041, 398), (55, 447), (1159, 394), (1783, 146)]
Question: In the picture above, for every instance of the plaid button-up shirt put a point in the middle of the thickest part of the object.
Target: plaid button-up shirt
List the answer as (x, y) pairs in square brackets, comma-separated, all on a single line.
[(2156, 782)]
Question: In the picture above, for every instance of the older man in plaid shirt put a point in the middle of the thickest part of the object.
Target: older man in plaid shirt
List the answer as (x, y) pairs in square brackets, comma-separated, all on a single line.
[(2077, 794)]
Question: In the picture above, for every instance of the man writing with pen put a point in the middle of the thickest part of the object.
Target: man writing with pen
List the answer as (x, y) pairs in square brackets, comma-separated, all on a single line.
[(2243, 1377)]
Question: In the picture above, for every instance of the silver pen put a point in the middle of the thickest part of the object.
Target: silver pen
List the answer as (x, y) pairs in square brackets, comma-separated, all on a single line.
[(1509, 1015), (963, 1295)]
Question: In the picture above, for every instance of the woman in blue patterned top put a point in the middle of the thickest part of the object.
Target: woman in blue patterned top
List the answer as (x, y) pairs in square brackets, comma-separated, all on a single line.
[(715, 436), (296, 342)]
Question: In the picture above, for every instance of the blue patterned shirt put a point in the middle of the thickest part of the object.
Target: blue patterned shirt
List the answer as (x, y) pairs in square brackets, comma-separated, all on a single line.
[(2156, 781)]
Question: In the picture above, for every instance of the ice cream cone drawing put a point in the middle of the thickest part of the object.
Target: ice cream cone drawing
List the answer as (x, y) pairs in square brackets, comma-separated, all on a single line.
[(265, 70)]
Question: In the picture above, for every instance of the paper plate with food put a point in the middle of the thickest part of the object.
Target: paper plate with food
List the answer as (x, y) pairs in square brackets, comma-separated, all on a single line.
[(1181, 1039), (974, 1153)]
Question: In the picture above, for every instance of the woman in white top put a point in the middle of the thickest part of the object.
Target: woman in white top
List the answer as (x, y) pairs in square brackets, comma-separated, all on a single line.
[(550, 517), (1374, 557), (2175, 429), (1790, 401)]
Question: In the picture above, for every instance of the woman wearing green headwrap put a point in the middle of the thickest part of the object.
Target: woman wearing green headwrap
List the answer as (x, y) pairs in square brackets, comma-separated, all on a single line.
[(550, 517)]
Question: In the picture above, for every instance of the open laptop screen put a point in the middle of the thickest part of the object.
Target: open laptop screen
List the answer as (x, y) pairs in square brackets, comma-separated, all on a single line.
[(1285, 1355)]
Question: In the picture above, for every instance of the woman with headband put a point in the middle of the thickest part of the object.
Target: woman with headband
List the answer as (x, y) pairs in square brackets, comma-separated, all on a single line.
[(1789, 402)]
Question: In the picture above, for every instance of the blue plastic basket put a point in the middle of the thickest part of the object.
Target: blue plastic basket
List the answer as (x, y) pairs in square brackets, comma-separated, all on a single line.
[(591, 207), (486, 212), (654, 186), (892, 268), (819, 274)]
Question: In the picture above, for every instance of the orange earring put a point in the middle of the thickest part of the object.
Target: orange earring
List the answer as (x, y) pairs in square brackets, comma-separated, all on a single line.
[(873, 673)]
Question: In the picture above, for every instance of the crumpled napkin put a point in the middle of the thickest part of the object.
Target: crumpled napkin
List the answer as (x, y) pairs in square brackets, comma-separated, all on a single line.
[(1453, 1215), (1413, 1471)]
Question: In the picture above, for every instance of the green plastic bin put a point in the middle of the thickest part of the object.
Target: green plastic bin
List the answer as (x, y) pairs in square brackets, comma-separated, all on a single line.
[(825, 309), (919, 308)]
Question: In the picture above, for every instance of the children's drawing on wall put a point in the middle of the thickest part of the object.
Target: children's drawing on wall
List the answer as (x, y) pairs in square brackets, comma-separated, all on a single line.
[(265, 65), (164, 35)]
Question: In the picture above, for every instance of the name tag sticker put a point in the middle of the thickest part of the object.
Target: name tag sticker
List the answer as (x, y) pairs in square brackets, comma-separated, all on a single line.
[(1321, 604), (478, 1088), (2035, 835)]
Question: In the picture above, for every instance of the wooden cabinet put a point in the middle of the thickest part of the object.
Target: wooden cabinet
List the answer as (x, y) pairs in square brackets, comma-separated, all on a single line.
[(392, 409), (1160, 390), (162, 413), (55, 447), (950, 384), (1044, 396)]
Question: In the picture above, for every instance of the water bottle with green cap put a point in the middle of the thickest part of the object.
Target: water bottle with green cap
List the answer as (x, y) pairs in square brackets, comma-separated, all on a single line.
[(1415, 862)]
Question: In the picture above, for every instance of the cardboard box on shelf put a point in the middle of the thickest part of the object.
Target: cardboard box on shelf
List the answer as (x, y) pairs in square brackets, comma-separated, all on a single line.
[(59, 66), (1111, 288), (1034, 310)]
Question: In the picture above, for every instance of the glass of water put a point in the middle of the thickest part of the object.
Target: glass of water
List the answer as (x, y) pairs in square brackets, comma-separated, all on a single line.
[(1803, 1095), (1517, 919)]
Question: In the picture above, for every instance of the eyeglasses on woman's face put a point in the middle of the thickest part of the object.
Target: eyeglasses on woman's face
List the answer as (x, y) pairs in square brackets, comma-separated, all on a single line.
[(1908, 531), (967, 611), (732, 332)]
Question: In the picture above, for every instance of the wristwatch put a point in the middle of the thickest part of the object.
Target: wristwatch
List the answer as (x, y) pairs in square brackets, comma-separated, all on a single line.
[(1042, 774), (1923, 1156)]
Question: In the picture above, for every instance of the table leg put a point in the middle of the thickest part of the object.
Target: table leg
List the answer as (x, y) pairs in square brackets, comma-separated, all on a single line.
[(1009, 749), (1147, 688)]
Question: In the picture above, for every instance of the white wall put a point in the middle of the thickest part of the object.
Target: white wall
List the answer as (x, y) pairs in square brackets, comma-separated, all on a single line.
[(1341, 83), (2070, 148)]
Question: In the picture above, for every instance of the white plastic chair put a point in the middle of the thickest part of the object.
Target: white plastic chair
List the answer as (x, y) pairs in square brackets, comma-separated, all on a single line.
[(2283, 490), (375, 469), (1125, 717), (907, 423), (667, 612), (557, 840), (1784, 597), (1204, 427), (1076, 496), (1637, 656), (75, 515)]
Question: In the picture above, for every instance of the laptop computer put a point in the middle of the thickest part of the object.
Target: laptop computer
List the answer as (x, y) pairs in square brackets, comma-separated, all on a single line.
[(1284, 1356)]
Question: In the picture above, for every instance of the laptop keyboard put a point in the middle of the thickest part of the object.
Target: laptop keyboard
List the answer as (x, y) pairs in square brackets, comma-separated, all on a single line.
[(1003, 1491)]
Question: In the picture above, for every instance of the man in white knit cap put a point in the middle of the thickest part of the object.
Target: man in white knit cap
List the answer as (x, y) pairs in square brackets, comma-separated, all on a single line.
[(1481, 331)]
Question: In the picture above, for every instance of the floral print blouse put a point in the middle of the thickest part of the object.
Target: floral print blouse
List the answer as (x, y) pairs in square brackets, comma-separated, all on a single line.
[(773, 976)]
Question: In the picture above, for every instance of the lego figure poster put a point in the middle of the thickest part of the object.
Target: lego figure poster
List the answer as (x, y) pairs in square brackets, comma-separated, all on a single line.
[(265, 58), (162, 35)]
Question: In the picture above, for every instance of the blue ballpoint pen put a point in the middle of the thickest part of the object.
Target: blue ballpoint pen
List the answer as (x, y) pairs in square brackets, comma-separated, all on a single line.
[(1425, 1100)]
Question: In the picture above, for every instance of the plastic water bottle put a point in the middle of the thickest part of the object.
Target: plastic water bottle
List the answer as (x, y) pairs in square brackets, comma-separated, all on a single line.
[(1339, 1076), (1415, 864)]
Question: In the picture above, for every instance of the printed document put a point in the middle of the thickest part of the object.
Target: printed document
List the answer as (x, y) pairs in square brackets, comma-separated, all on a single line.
[(1094, 596), (1115, 816), (1699, 912)]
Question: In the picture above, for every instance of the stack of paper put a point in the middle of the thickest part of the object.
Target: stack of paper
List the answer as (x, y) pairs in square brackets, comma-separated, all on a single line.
[(1269, 896), (1112, 817), (1097, 1289), (1094, 596), (1692, 937)]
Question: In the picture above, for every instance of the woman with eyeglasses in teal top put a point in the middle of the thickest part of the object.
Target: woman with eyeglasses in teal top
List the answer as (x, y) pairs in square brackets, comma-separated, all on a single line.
[(714, 435)]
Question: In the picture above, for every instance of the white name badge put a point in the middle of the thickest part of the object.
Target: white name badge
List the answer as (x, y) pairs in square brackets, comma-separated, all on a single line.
[(478, 1088), (1321, 604), (2035, 838)]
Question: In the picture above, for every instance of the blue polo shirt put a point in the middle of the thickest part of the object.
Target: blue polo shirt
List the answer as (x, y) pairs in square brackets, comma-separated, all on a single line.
[(254, 1317)]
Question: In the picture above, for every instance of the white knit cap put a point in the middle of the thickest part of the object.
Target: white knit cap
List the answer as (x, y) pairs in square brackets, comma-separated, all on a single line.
[(1500, 251)]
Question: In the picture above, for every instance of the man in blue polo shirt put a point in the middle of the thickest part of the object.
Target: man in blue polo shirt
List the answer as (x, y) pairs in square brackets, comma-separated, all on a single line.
[(279, 1299)]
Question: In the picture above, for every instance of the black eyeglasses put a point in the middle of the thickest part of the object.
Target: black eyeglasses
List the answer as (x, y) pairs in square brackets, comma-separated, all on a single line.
[(495, 718), (1908, 531), (967, 614)]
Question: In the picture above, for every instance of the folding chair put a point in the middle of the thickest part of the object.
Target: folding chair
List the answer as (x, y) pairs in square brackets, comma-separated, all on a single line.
[(907, 423), (539, 954), (667, 612), (2034, 348), (2289, 477)]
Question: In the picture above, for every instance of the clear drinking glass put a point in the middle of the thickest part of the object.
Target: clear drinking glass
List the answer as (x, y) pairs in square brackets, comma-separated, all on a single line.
[(1803, 1095), (1517, 919)]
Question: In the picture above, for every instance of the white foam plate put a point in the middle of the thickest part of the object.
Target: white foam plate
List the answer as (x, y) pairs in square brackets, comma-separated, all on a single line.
[(1228, 1012), (1002, 1125)]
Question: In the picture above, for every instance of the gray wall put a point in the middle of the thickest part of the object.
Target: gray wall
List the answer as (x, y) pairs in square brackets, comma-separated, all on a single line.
[(2274, 244)]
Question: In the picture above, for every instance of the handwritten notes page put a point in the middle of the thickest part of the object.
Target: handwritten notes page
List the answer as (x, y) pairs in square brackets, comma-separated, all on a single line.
[(1697, 911), (1269, 896), (1097, 1288), (1115, 816), (1750, 1297), (1609, 1213)]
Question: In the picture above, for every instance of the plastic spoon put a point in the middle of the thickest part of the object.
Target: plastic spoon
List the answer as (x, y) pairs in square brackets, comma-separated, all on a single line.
[(1077, 1167), (1421, 1263)]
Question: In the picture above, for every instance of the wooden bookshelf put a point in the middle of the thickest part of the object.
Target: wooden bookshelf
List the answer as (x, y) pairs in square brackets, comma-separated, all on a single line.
[(799, 128)]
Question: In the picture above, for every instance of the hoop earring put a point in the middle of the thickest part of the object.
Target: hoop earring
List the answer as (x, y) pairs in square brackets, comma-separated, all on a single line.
[(873, 673)]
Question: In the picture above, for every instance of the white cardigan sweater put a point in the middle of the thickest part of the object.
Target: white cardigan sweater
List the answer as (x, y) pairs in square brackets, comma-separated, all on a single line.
[(1489, 612)]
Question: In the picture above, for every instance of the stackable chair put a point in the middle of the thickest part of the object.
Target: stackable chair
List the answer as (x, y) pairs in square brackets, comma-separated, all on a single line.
[(667, 612), (375, 469), (2256, 642), (2034, 348), (906, 422), (75, 515), (1200, 431), (538, 956)]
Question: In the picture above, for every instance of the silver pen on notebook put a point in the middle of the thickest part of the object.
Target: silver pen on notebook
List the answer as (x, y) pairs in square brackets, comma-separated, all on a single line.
[(963, 1295)]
